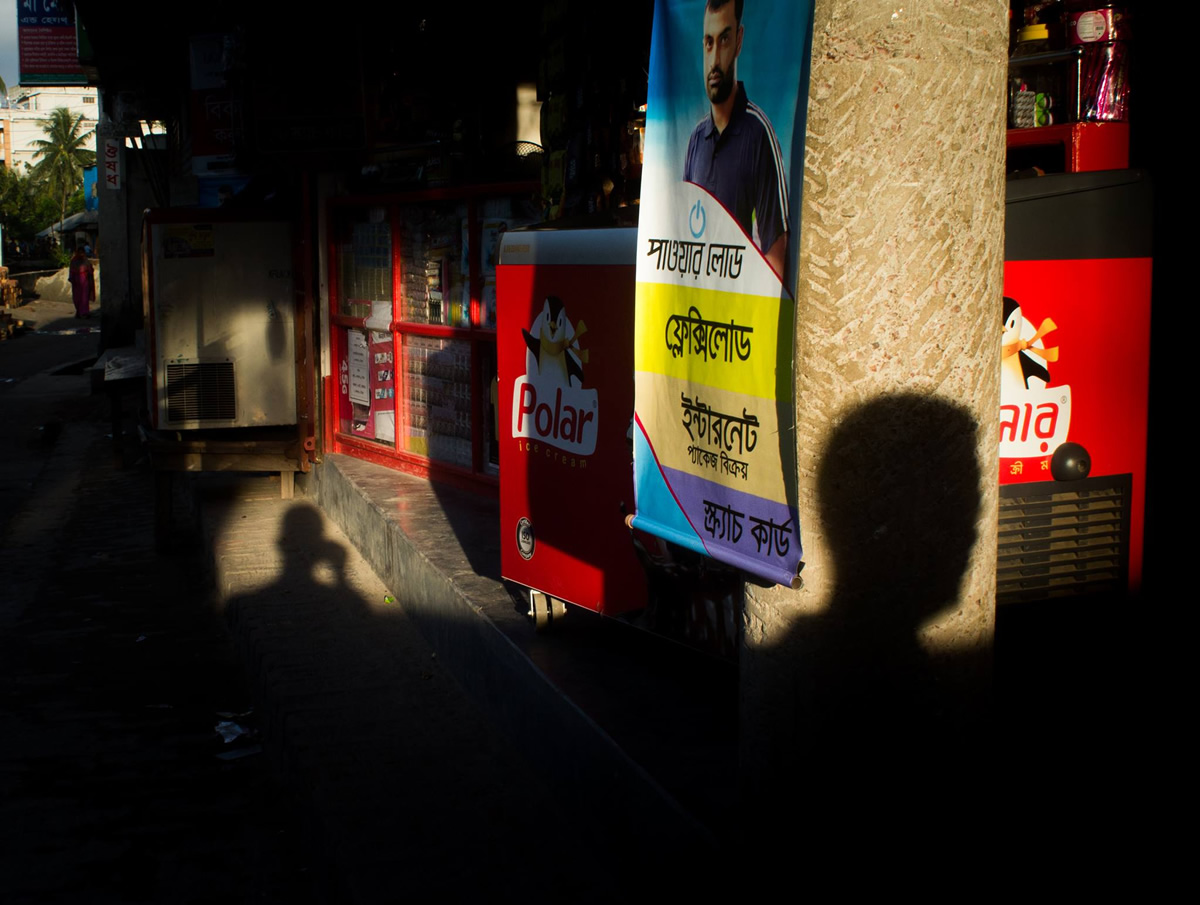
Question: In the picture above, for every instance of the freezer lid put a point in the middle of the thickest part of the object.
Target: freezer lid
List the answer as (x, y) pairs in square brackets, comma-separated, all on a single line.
[(1072, 216), (575, 247)]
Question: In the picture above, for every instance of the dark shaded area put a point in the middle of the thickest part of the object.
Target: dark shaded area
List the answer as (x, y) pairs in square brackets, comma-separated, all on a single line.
[(859, 717), (25, 354), (112, 671), (395, 77), (899, 489), (673, 710), (404, 788), (1156, 143)]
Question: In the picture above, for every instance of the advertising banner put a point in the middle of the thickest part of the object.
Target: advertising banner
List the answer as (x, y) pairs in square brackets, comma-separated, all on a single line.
[(217, 127), (112, 163), (714, 460), (91, 200), (48, 43)]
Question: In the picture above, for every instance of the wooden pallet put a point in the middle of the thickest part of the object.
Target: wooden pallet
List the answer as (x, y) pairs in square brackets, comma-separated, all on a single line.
[(10, 293), (242, 449)]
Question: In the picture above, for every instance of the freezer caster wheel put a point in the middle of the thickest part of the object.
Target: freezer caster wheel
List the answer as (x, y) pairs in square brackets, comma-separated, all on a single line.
[(545, 610)]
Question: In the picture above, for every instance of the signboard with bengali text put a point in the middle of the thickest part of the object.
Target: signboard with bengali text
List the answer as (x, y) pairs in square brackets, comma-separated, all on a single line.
[(714, 458), (48, 43)]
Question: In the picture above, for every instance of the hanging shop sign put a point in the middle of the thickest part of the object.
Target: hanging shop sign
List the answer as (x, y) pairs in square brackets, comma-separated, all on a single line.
[(112, 163), (91, 199), (714, 445), (49, 44), (217, 127)]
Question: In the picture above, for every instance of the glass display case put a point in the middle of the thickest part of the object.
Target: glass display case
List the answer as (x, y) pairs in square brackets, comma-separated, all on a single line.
[(413, 318)]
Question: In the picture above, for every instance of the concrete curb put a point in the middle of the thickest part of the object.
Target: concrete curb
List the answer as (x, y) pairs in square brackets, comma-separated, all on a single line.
[(430, 572)]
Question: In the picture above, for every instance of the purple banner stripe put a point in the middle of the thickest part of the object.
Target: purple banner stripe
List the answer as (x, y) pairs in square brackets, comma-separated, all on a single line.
[(759, 535)]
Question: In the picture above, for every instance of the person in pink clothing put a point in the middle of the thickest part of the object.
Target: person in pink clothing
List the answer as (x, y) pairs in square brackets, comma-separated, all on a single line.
[(83, 282)]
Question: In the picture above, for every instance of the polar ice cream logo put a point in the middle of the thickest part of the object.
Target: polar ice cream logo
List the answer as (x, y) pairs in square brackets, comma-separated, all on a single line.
[(1034, 417), (549, 402)]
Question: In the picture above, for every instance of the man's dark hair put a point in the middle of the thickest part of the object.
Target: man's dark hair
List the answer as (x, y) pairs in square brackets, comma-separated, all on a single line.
[(715, 5)]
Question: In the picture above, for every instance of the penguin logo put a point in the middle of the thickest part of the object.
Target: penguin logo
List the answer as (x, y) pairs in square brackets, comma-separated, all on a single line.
[(1024, 356), (553, 345), (1035, 417), (525, 538), (697, 215), (550, 402)]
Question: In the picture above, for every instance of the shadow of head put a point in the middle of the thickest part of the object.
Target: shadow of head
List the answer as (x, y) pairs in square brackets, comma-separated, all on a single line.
[(899, 496), (856, 693), (305, 546), (301, 521)]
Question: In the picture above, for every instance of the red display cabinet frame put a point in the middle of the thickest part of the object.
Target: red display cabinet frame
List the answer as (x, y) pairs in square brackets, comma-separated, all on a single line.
[(410, 381)]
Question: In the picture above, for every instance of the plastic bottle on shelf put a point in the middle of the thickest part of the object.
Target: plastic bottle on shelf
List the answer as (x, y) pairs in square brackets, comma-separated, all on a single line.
[(1103, 32), (1043, 12), (1033, 91)]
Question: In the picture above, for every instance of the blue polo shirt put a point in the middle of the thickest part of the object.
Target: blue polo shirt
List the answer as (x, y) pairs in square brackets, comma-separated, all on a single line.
[(743, 168)]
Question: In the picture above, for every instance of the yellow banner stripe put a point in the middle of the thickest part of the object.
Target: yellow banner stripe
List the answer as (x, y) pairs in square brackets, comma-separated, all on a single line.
[(700, 335), (681, 421)]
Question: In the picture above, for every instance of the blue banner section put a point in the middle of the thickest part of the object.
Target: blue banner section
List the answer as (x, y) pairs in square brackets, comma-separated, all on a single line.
[(732, 523), (769, 66), (653, 495), (91, 199)]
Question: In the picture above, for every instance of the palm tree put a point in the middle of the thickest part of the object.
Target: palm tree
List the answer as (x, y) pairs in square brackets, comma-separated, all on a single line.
[(63, 155)]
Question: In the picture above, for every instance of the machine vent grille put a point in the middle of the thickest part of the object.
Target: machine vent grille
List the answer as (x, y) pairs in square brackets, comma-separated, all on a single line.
[(1063, 539), (200, 391)]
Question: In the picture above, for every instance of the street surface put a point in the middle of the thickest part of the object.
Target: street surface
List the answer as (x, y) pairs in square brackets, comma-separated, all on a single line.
[(362, 772), (113, 669)]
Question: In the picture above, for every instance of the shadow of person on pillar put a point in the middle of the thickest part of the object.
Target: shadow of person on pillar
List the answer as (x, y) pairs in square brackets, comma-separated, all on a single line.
[(863, 705)]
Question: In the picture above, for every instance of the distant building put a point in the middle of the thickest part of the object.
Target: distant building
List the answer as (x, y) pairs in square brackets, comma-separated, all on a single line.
[(21, 121)]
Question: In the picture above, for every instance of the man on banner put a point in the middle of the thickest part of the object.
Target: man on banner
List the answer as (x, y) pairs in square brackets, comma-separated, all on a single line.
[(733, 152)]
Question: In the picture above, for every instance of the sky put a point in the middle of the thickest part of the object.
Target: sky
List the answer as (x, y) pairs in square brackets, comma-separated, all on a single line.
[(10, 63)]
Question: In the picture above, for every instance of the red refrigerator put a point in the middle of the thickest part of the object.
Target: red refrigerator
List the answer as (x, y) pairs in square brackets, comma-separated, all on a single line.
[(1075, 341), (564, 343)]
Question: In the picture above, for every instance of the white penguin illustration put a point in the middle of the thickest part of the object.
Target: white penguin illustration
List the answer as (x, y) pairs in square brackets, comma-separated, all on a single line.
[(554, 354), (1023, 353)]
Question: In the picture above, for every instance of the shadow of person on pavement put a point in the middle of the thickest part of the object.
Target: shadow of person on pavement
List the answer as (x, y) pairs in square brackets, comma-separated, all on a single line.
[(313, 568), (359, 718), (309, 596)]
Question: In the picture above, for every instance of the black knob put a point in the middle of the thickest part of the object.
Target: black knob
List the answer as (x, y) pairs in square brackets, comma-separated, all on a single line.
[(1070, 462)]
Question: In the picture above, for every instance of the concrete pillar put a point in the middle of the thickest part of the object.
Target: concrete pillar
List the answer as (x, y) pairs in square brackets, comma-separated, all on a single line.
[(120, 238), (873, 680), (118, 245)]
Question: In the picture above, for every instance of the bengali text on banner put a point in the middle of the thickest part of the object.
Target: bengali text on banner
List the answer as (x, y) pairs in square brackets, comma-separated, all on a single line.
[(714, 445)]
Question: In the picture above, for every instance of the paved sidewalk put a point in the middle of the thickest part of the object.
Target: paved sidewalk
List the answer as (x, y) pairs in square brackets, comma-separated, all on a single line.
[(405, 788), (113, 667), (377, 779)]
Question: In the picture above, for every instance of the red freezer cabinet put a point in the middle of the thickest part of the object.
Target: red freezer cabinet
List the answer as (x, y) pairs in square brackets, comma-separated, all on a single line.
[(564, 345), (1075, 376)]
